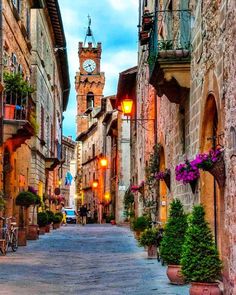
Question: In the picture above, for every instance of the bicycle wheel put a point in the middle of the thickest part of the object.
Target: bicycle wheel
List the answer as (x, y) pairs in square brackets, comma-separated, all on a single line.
[(14, 242)]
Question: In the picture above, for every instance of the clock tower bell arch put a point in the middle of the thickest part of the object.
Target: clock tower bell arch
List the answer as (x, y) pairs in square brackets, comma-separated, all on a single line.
[(89, 82)]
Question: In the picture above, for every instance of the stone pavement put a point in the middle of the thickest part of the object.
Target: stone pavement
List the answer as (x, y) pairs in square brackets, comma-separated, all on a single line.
[(89, 260)]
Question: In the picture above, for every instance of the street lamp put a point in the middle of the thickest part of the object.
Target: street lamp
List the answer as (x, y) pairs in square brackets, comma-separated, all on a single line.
[(107, 196), (126, 106), (103, 162), (95, 184)]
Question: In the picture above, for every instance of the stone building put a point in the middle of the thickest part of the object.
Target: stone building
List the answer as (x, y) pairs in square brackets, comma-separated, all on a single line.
[(185, 79), (51, 79), (33, 45), (16, 128), (67, 176)]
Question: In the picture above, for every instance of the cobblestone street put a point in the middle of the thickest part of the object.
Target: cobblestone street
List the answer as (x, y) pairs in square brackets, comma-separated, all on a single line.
[(90, 260)]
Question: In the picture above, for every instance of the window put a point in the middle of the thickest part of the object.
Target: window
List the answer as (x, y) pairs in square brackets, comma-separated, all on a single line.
[(42, 123), (93, 147), (28, 22), (90, 100), (17, 5)]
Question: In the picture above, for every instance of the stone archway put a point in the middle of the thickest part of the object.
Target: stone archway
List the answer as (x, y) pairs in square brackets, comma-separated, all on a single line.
[(163, 189), (210, 195)]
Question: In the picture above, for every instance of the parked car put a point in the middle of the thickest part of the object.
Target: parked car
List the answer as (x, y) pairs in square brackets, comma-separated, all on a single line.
[(71, 216)]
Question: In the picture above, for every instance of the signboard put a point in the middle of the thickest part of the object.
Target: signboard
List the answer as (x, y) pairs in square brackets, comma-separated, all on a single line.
[(122, 187)]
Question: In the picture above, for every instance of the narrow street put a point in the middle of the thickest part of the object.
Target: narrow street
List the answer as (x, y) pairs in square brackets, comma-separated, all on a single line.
[(90, 260)]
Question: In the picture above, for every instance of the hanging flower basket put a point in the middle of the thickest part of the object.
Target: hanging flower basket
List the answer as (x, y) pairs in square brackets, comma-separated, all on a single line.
[(164, 176), (213, 162), (138, 188), (193, 185), (218, 171)]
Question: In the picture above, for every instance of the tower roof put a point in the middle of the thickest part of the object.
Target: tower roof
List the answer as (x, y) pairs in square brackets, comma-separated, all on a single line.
[(89, 33)]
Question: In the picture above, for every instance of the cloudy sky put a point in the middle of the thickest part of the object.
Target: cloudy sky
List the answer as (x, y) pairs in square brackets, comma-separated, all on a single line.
[(114, 23)]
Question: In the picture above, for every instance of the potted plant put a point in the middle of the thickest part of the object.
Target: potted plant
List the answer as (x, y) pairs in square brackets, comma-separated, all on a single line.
[(200, 261), (150, 238), (139, 225), (32, 230), (165, 49), (24, 200), (42, 222), (16, 90), (144, 37), (172, 241), (188, 172), (164, 176), (57, 218), (50, 220), (147, 21)]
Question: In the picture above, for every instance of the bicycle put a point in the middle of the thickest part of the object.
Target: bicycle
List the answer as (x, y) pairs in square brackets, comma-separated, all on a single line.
[(9, 235)]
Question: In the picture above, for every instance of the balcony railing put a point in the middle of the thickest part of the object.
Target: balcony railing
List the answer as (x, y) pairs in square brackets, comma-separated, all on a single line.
[(16, 107), (170, 36)]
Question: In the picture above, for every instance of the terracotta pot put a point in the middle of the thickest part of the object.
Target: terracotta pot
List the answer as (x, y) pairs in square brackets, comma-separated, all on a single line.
[(3, 246), (152, 252), (9, 111), (56, 225), (22, 237), (42, 230), (204, 289), (174, 274), (113, 222), (32, 233), (47, 228), (137, 234)]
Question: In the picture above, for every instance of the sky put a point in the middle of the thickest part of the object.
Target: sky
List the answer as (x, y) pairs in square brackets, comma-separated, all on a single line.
[(114, 23)]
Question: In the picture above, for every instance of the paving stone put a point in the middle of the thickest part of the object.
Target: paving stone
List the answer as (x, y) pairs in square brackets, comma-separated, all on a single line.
[(89, 260)]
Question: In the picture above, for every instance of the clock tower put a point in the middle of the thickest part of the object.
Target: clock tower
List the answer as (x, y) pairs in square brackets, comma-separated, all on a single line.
[(89, 82)]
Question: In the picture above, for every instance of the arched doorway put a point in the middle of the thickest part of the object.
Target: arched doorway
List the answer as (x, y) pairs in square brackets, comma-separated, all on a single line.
[(210, 194), (163, 189)]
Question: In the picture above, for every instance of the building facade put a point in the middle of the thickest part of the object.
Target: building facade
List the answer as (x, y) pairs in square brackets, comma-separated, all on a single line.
[(31, 132), (185, 82), (68, 176)]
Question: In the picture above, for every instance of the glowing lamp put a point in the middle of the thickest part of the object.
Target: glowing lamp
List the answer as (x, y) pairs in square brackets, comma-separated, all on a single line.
[(107, 196), (59, 182), (103, 162), (126, 106), (95, 184)]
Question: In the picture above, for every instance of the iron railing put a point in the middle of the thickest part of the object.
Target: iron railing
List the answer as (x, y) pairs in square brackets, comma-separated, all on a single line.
[(171, 31), (16, 106)]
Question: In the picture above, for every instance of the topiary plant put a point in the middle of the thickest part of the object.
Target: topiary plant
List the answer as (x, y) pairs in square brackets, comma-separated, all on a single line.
[(50, 216), (57, 218), (200, 259), (149, 237), (25, 199), (174, 233), (42, 219), (141, 223)]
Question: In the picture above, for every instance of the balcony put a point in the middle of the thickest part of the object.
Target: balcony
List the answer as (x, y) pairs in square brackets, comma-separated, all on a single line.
[(170, 53), (19, 119)]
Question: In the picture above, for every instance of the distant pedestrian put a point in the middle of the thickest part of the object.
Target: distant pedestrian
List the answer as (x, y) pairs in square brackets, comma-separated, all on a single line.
[(83, 214), (63, 211)]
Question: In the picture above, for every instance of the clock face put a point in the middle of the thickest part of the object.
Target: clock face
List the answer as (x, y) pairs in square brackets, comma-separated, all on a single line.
[(89, 65)]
